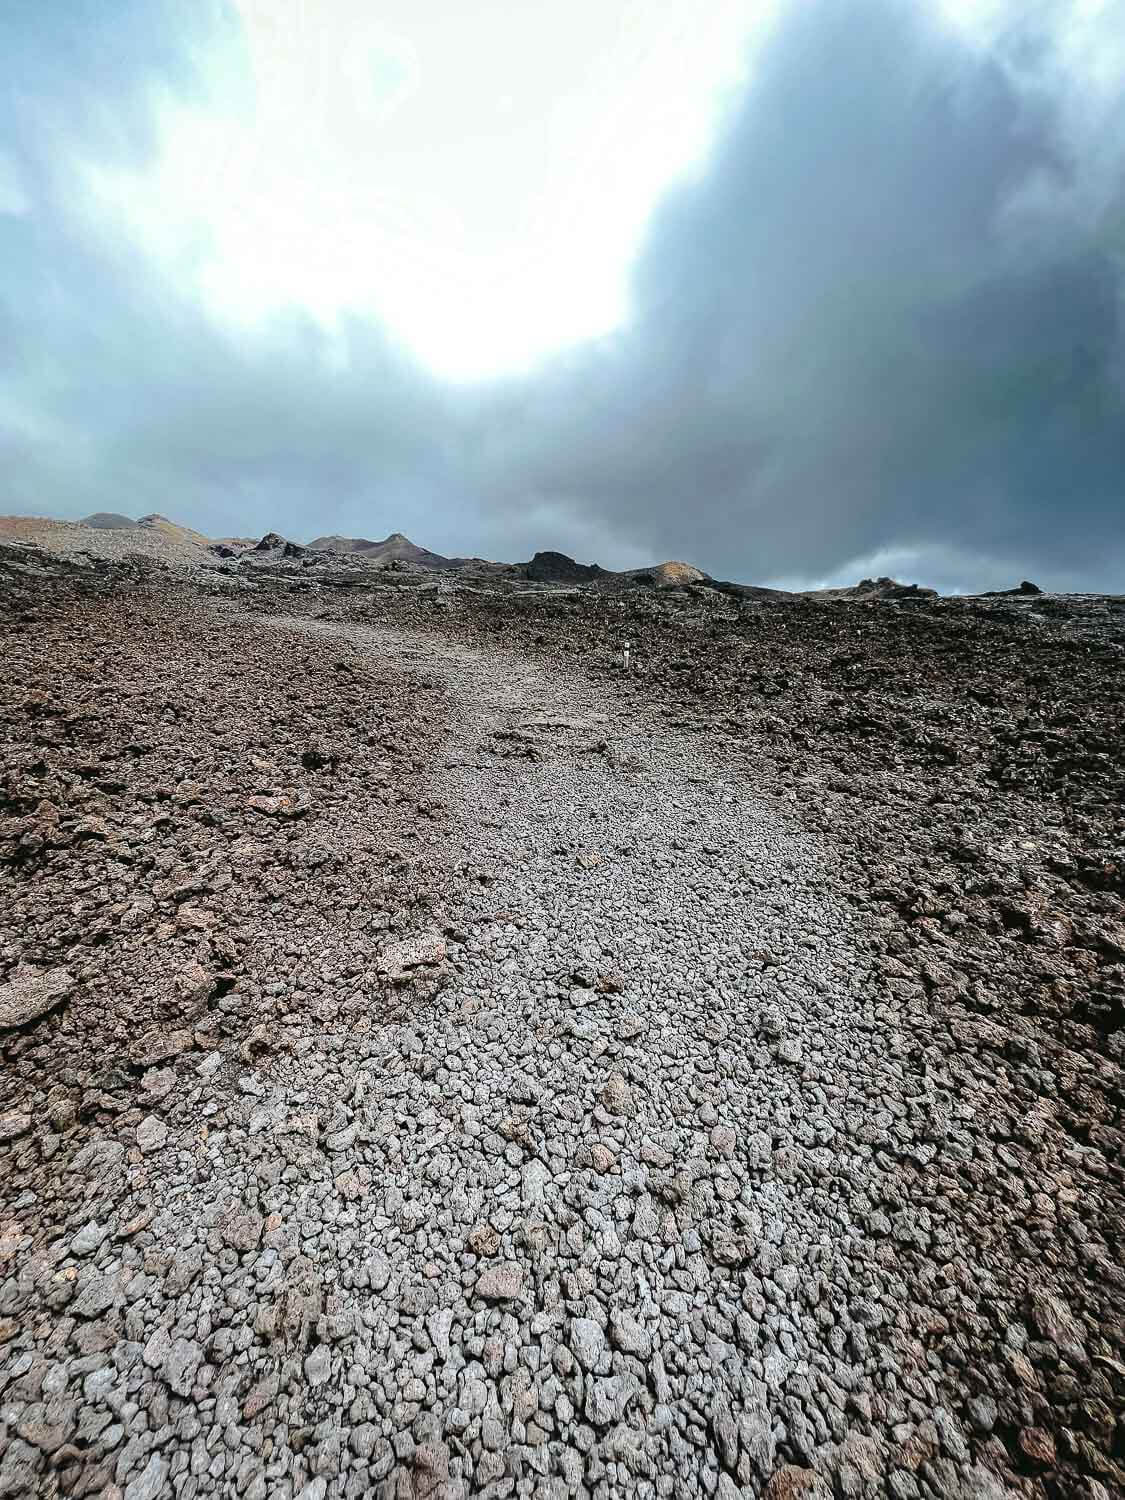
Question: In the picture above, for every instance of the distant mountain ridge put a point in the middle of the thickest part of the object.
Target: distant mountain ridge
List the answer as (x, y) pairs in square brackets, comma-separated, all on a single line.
[(111, 533), (545, 567)]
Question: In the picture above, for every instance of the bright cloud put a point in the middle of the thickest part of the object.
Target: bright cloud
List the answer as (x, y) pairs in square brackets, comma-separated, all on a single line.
[(477, 177)]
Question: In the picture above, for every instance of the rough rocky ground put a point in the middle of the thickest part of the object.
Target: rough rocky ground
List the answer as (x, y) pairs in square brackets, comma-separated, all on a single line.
[(155, 539), (966, 759), (184, 826), (655, 1130)]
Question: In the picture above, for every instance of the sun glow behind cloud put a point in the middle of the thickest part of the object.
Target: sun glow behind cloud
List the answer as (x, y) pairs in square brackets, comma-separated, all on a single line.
[(477, 178)]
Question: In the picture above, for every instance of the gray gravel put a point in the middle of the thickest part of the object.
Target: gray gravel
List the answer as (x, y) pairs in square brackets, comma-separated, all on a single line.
[(613, 1214)]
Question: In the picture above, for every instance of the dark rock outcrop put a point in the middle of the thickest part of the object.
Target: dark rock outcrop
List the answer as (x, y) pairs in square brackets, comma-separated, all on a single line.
[(556, 567), (273, 545)]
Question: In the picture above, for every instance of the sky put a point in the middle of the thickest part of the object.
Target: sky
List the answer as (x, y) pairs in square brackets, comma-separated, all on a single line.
[(797, 290)]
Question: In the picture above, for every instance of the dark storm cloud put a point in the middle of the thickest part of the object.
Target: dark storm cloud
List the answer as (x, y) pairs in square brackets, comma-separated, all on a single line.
[(886, 318)]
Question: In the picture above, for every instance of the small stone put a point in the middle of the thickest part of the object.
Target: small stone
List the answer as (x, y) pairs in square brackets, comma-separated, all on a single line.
[(770, 1021), (490, 1467), (159, 1046), (587, 1341), (193, 986), (337, 1141), (1021, 1367), (533, 1181), (982, 1413), (152, 1134), (502, 1282), (484, 1240), (260, 1397), (790, 1051), (150, 1482), (788, 1278), (158, 1083), (426, 950), (870, 1314), (791, 1482), (30, 994), (96, 1296), (645, 1222), (628, 1335), (273, 804), (182, 1361), (378, 1272), (919, 1447), (1038, 1444), (731, 1249), (363, 1439), (723, 1139), (756, 1439), (243, 1232), (950, 1435), (88, 1239), (614, 1094), (785, 1163), (439, 1326), (607, 1399), (431, 1468), (14, 1124), (1056, 1322)]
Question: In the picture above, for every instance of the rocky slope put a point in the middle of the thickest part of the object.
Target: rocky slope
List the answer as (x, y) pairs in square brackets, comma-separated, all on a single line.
[(967, 760), (102, 537), (441, 1060)]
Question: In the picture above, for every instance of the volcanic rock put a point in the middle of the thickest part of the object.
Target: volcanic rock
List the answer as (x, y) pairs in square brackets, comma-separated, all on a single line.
[(30, 994), (556, 567)]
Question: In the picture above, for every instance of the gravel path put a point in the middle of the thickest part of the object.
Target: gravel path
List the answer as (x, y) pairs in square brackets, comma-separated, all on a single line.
[(611, 1216)]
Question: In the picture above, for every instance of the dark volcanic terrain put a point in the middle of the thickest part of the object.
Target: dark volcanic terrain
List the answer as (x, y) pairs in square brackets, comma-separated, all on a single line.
[(441, 1058)]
